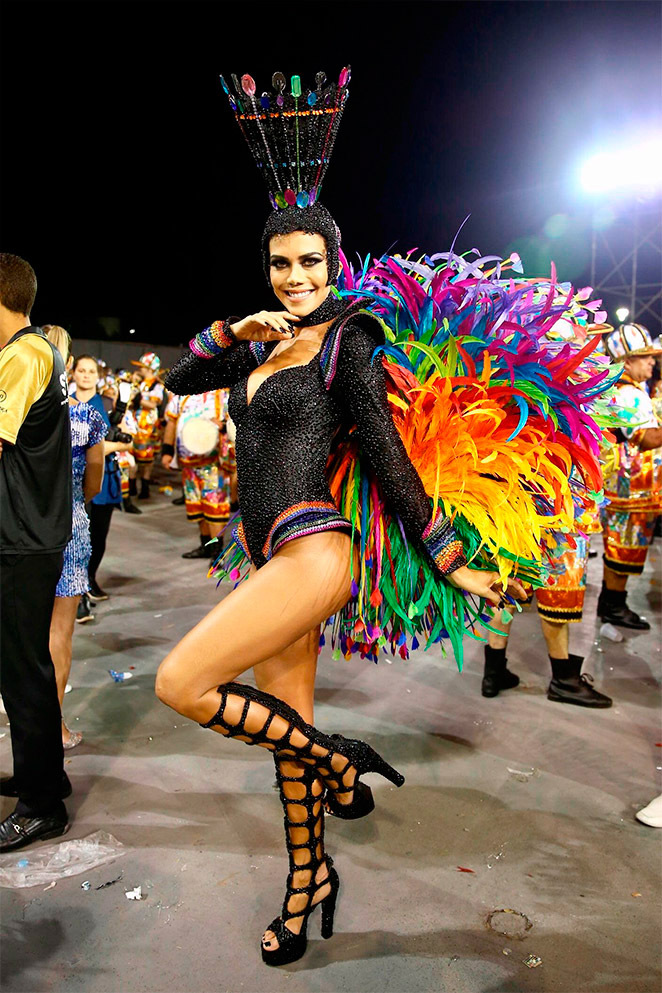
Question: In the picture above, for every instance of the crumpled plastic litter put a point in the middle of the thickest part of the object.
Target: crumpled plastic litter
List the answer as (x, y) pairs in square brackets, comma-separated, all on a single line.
[(136, 894), (120, 677), (53, 862), (532, 962), (611, 633)]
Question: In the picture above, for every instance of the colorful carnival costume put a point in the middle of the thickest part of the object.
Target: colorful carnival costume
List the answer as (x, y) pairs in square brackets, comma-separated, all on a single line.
[(436, 425), (147, 440), (633, 483), (633, 479), (87, 429), (205, 476)]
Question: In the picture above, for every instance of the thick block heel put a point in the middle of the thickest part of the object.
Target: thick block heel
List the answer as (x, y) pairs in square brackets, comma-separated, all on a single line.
[(328, 905)]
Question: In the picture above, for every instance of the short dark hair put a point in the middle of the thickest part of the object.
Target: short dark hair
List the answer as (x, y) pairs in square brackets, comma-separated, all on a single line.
[(80, 358), (18, 284)]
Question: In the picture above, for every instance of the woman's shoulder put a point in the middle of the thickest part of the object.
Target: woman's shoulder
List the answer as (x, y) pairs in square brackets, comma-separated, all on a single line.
[(353, 337)]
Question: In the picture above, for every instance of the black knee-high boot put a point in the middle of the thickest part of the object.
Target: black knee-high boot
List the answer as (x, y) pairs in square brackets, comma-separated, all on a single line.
[(261, 719), (301, 793)]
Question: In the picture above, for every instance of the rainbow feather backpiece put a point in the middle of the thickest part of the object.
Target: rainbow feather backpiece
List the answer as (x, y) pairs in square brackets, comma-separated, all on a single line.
[(497, 412), (500, 415)]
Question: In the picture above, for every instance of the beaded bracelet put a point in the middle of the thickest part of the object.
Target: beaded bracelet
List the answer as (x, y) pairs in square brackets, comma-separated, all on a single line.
[(443, 545), (213, 340)]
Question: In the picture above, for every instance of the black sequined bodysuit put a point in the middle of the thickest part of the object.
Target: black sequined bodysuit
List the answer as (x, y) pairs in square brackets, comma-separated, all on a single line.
[(285, 434)]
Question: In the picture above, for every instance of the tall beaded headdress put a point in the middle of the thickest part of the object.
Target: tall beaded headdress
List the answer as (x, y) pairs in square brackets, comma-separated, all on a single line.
[(291, 132)]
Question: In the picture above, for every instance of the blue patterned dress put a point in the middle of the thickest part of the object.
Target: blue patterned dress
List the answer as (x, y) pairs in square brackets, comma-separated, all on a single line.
[(87, 429)]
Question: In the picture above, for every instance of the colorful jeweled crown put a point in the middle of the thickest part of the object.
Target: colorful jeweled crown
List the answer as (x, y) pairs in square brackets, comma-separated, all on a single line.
[(291, 132)]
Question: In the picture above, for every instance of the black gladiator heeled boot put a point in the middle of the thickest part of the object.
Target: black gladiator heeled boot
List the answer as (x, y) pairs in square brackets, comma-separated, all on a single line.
[(497, 676), (301, 794), (261, 719)]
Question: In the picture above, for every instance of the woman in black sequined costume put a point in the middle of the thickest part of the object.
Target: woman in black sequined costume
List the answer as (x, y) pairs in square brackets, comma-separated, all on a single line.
[(296, 376)]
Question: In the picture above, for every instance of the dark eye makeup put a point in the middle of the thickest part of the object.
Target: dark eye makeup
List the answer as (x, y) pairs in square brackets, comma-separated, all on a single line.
[(278, 262)]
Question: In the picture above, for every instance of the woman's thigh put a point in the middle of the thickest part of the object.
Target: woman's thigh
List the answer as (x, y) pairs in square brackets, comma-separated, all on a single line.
[(290, 675), (305, 582)]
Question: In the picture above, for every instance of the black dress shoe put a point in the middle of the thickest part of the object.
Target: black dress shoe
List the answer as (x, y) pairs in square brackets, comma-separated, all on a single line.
[(17, 831), (578, 690), (493, 683), (570, 685), (179, 501), (95, 593), (613, 609), (83, 612), (9, 786), (201, 552), (623, 617), (497, 676), (130, 507)]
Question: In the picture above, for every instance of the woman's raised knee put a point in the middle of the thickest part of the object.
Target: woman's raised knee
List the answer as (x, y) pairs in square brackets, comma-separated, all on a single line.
[(171, 688)]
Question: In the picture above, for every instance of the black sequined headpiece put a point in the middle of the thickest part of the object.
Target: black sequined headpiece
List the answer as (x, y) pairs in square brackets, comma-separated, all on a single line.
[(311, 220), (291, 134)]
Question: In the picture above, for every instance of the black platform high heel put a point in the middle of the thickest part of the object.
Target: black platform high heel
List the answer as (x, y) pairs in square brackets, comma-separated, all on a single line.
[(253, 716), (364, 759), (306, 856)]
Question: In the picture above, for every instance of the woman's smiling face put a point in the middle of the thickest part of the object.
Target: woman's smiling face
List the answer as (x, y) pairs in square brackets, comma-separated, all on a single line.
[(298, 271)]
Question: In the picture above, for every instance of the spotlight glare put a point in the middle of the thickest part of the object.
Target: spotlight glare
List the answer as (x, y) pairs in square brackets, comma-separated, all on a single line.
[(622, 313), (132, 331), (637, 167)]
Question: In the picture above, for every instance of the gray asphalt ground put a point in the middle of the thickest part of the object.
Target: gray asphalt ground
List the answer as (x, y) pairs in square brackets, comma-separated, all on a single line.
[(537, 799)]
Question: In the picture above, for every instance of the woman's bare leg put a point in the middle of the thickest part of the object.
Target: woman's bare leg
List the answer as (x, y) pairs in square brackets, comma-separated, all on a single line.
[(63, 619), (290, 676), (271, 623), (305, 582)]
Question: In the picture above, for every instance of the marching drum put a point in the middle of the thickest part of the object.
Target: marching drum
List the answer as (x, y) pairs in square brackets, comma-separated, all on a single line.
[(198, 435)]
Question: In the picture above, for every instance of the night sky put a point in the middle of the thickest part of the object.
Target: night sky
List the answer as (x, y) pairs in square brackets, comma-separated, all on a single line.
[(127, 185)]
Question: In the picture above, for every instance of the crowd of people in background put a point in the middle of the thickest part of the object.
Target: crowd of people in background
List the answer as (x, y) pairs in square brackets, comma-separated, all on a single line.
[(148, 425), (121, 423)]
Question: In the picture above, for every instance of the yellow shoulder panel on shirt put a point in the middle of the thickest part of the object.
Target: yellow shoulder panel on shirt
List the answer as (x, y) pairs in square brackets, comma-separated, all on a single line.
[(26, 367)]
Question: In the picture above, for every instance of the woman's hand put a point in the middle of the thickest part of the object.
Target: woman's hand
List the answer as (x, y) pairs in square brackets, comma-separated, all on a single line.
[(166, 461), (482, 583), (266, 326)]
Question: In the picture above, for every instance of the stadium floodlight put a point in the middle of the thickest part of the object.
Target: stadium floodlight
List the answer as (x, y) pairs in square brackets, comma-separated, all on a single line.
[(635, 167), (622, 313)]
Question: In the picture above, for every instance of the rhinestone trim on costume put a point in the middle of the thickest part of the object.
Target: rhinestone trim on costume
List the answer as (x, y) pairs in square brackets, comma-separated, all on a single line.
[(213, 340), (443, 544), (303, 519)]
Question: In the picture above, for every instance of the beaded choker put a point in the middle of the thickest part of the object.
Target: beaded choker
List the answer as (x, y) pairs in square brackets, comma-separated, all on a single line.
[(330, 308)]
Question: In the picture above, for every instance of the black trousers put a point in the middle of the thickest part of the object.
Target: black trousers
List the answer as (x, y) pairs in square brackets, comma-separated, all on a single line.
[(27, 678), (99, 515)]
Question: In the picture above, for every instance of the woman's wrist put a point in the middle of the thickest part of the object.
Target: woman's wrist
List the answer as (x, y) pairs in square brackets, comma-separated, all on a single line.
[(213, 340), (443, 545)]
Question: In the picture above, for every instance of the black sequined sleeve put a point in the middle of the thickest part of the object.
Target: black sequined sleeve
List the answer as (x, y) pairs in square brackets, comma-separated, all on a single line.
[(359, 386), (193, 374)]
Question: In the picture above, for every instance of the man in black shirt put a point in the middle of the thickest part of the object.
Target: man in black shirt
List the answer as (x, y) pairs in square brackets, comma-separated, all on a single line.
[(35, 526)]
